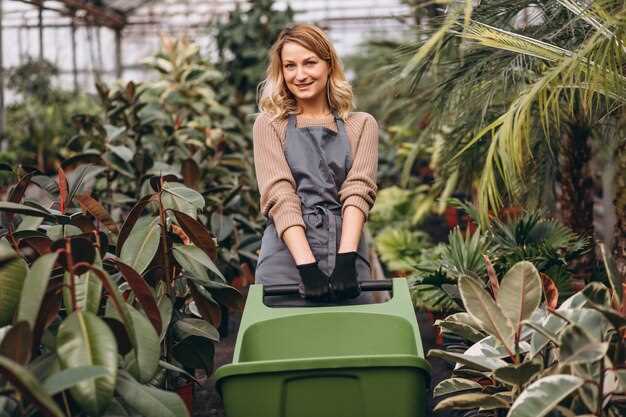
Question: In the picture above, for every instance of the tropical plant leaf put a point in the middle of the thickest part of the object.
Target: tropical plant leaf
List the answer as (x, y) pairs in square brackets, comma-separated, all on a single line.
[(147, 348), (578, 347), (150, 401), (484, 309), (142, 244), (195, 261), (12, 276), (544, 395), (471, 400), (142, 291), (29, 387), (520, 292), (130, 221), (196, 327), (475, 362), (517, 374), (90, 205), (452, 385), (34, 288), (85, 340), (199, 235), (67, 378), (87, 288), (16, 344)]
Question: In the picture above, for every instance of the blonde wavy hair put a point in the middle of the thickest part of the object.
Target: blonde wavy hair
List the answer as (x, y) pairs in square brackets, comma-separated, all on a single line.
[(274, 96)]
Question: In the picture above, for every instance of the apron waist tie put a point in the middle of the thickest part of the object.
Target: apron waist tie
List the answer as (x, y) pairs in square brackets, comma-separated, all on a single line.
[(329, 212)]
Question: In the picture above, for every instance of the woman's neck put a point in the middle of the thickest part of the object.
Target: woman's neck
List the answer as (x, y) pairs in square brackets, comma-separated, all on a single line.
[(314, 110)]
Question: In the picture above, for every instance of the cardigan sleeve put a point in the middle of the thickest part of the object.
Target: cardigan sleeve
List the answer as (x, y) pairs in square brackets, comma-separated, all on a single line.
[(277, 187), (359, 188)]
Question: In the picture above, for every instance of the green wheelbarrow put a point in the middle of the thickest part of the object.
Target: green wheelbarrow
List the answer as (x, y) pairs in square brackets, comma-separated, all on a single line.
[(327, 361)]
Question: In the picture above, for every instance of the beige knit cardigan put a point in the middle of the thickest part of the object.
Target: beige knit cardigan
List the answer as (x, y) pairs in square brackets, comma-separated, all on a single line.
[(277, 187)]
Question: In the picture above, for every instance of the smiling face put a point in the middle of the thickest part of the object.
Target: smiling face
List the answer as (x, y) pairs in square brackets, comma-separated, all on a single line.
[(304, 72)]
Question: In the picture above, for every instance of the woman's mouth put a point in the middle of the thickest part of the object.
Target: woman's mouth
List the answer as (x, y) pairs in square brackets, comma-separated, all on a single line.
[(302, 86)]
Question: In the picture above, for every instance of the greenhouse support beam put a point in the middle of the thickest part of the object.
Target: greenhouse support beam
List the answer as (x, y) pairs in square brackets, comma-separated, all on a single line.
[(118, 54), (40, 28), (74, 60), (1, 78)]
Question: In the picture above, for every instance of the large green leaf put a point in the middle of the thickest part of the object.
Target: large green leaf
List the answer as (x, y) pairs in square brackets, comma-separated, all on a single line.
[(149, 401), (484, 309), (88, 289), (474, 362), (471, 400), (85, 340), (517, 374), (17, 208), (462, 324), (142, 243), (67, 378), (12, 276), (520, 292), (196, 327), (578, 347), (147, 348), (34, 289), (195, 261), (22, 379), (553, 324), (195, 352), (451, 385), (184, 193), (544, 395)]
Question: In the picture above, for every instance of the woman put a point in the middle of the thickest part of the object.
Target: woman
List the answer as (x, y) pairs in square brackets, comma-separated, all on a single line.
[(316, 164)]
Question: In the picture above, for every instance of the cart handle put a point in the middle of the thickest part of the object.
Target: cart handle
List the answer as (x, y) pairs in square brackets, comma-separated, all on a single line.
[(289, 289)]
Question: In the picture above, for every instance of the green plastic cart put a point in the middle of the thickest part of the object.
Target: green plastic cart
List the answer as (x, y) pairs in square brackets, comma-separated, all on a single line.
[(327, 361)]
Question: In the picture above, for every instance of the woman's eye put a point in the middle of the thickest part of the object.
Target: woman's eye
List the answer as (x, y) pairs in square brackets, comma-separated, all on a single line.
[(311, 63), (289, 66)]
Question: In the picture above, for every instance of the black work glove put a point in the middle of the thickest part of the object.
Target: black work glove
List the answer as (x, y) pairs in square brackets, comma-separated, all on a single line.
[(343, 282), (314, 283)]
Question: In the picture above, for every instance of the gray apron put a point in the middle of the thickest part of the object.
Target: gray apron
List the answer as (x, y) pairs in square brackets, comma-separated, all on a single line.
[(319, 160)]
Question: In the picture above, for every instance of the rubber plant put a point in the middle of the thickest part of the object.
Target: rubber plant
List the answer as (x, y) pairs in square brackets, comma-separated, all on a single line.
[(97, 319), (530, 357)]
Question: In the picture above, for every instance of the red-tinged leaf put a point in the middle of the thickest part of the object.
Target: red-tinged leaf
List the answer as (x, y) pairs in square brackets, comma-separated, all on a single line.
[(178, 231), (29, 388), (131, 219), (39, 244), (90, 205), (228, 296), (245, 278), (63, 189), (17, 193), (550, 291), (142, 293), (199, 235), (124, 344), (190, 172), (49, 310), (493, 278), (83, 221), (81, 250), (208, 310), (17, 342)]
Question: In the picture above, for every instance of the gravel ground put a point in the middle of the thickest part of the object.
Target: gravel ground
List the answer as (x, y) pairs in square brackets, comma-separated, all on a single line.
[(207, 402)]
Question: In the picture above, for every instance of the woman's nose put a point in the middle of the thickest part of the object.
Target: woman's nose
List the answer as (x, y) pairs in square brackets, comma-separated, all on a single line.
[(300, 74)]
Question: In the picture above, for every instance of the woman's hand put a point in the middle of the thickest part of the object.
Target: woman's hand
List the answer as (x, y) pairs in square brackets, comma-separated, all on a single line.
[(343, 280), (314, 284)]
